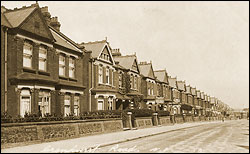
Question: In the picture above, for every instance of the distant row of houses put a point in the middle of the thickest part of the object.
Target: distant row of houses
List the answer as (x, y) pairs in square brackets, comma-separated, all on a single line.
[(44, 71)]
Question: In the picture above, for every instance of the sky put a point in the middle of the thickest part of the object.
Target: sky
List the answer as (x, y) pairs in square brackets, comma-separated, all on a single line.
[(204, 43)]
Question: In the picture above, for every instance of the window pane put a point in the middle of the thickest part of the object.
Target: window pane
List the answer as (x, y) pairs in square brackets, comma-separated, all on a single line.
[(27, 49), (76, 100), (107, 75), (100, 74), (61, 60), (71, 62), (27, 61), (42, 65), (71, 73), (100, 105), (25, 102), (61, 71), (42, 53)]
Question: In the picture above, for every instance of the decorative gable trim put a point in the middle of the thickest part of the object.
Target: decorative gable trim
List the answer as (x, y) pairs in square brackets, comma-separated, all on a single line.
[(138, 70), (109, 52)]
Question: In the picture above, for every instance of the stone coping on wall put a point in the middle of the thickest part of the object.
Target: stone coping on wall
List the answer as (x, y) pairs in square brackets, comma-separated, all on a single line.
[(143, 122), (37, 132), (54, 122)]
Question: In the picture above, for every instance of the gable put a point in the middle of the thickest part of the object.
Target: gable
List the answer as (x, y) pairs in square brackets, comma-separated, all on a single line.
[(105, 55), (165, 78), (151, 73), (37, 25), (135, 66)]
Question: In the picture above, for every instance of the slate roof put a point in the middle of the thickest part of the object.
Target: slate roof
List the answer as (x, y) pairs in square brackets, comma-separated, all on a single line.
[(125, 61), (17, 16), (181, 85), (96, 47), (145, 70), (4, 21), (64, 41), (161, 75), (172, 82)]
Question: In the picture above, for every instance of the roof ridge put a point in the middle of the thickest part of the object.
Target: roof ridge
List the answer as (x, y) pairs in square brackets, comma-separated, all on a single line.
[(18, 9), (159, 70), (102, 41)]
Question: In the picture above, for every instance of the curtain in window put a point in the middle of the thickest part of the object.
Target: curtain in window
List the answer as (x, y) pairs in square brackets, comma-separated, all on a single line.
[(25, 102), (67, 105)]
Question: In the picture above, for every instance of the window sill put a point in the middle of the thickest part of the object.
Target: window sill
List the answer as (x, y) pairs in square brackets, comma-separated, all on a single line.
[(43, 73), (63, 78), (72, 79), (30, 70), (104, 84)]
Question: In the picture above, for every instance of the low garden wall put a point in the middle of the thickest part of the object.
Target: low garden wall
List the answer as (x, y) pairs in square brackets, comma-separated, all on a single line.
[(202, 118), (188, 119), (179, 119), (143, 122), (165, 120), (196, 119), (18, 133)]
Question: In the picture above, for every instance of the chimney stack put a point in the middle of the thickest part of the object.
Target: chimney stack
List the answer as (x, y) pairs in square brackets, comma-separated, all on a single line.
[(116, 52), (46, 14), (143, 63), (51, 21), (54, 23)]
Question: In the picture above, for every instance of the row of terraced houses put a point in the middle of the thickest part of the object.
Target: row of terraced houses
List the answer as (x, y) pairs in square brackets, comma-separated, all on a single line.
[(44, 71)]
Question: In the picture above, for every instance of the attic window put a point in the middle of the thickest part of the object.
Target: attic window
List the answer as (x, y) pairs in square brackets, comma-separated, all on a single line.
[(37, 25)]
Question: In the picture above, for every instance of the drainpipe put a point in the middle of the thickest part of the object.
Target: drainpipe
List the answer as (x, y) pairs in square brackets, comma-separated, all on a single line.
[(92, 85), (5, 70)]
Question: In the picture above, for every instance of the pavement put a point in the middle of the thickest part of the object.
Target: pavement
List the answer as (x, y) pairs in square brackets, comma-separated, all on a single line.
[(93, 142)]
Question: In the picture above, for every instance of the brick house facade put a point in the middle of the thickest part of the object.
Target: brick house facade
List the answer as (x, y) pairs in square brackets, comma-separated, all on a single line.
[(33, 50), (148, 86), (163, 88), (130, 90), (102, 89)]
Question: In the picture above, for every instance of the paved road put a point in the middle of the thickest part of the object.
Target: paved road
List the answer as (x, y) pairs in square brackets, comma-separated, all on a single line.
[(226, 137)]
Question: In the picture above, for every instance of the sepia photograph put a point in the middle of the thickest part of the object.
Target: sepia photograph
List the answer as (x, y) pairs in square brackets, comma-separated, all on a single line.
[(124, 76)]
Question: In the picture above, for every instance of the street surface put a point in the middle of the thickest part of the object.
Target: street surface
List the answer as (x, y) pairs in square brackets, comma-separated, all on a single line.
[(224, 137)]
